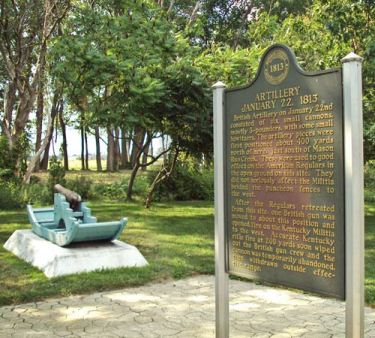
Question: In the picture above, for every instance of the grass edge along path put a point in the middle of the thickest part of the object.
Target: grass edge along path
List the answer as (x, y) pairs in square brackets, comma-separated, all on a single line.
[(177, 239)]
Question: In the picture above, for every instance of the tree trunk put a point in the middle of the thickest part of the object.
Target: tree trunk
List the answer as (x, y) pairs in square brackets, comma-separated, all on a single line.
[(64, 142), (194, 13), (98, 154), (25, 33), (87, 152), (35, 159), (138, 139), (110, 150), (10, 97), (144, 156), (116, 150), (39, 119), (54, 111), (134, 172), (82, 148), (44, 162), (129, 194), (164, 146), (124, 149)]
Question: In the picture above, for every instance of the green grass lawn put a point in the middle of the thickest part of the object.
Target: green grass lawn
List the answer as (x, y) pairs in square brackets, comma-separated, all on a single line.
[(177, 239), (370, 253)]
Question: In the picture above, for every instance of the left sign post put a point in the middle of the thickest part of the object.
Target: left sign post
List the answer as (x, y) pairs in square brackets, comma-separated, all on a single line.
[(221, 277)]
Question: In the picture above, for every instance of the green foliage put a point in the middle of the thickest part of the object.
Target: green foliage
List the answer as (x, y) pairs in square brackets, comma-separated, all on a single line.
[(15, 195), (233, 67), (320, 32), (10, 195), (369, 196), (187, 182), (117, 190), (369, 175), (37, 194), (56, 174), (82, 185), (10, 155), (6, 161), (369, 178), (133, 69), (321, 37)]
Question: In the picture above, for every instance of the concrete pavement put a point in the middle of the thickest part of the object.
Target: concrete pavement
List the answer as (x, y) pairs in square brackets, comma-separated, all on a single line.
[(183, 308)]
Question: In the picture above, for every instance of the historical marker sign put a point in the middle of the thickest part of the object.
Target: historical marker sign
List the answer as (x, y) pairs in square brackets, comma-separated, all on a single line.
[(284, 191)]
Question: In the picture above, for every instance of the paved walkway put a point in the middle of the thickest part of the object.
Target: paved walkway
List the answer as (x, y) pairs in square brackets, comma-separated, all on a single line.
[(183, 309)]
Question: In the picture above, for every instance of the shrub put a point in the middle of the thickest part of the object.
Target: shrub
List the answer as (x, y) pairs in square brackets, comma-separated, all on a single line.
[(369, 175), (36, 193), (141, 185), (15, 195), (113, 191), (56, 174), (10, 195), (186, 183), (6, 174), (369, 196), (118, 190), (81, 185)]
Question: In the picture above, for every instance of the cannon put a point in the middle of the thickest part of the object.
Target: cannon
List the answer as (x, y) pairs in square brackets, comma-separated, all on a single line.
[(70, 221)]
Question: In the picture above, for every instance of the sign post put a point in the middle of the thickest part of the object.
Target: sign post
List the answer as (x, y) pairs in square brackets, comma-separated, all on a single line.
[(221, 277), (354, 205)]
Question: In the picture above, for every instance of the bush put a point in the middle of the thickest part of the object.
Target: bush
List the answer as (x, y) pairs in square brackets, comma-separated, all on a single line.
[(369, 175), (369, 196), (186, 183), (56, 175), (118, 190), (10, 195), (36, 193), (15, 195), (81, 185), (56, 172), (6, 174), (141, 185), (114, 191)]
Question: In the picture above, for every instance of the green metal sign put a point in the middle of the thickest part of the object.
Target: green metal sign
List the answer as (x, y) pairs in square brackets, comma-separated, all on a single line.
[(284, 190)]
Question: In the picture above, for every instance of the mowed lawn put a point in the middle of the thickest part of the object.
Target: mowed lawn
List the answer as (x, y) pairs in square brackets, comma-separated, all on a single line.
[(370, 253), (177, 239)]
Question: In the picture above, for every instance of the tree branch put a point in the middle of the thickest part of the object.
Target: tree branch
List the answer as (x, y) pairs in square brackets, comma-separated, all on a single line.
[(155, 158), (194, 13)]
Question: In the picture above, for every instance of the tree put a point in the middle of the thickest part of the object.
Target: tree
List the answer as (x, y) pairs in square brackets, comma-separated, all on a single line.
[(25, 30), (122, 62)]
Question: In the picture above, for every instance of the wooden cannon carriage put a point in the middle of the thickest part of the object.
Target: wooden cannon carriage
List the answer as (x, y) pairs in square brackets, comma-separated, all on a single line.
[(70, 220)]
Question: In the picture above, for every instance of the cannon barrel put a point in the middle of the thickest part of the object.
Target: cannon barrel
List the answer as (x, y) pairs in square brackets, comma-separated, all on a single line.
[(71, 196)]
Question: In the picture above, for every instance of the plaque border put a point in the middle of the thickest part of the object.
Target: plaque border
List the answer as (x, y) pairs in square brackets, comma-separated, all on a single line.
[(292, 60)]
